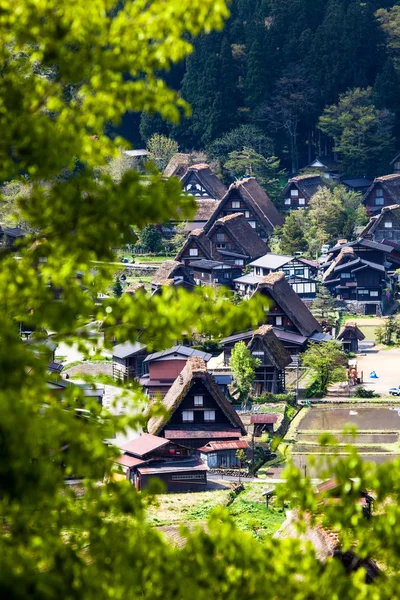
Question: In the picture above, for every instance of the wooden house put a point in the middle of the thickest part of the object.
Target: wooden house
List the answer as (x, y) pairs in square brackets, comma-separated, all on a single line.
[(299, 190), (331, 490), (199, 181), (178, 165), (172, 272), (247, 197), (384, 227), (197, 410), (8, 237), (395, 163), (300, 272), (286, 310), (350, 335), (270, 374), (384, 191), (223, 455), (160, 369), (214, 273), (150, 457), (235, 240), (128, 361), (263, 423), (356, 184), (230, 240), (356, 273), (326, 167)]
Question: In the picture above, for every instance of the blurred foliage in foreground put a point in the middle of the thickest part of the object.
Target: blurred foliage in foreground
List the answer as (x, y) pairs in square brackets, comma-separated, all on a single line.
[(68, 70)]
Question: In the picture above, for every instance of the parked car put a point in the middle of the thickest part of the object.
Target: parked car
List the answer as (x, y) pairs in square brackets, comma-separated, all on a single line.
[(394, 391), (325, 249)]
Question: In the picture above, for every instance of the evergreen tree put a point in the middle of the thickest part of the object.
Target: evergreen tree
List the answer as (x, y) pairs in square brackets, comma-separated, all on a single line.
[(150, 239), (228, 88), (243, 365), (248, 163), (324, 308), (117, 288), (292, 237), (255, 84)]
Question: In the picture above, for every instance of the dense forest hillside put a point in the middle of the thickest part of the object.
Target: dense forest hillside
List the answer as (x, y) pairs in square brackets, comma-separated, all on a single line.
[(278, 65)]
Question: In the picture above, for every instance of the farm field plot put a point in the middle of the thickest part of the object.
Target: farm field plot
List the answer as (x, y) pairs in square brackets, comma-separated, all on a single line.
[(365, 418), (377, 438)]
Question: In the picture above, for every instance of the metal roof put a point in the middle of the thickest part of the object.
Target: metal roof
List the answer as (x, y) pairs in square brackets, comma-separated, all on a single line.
[(144, 444), (321, 337), (209, 264), (140, 152), (128, 461), (250, 279), (173, 467), (214, 446), (264, 418), (200, 434), (271, 261), (281, 334), (127, 349), (179, 351)]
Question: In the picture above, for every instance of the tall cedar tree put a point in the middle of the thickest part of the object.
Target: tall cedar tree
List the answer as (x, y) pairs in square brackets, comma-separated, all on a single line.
[(255, 84)]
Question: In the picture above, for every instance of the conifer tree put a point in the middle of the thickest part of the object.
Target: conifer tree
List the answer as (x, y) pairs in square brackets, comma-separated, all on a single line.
[(256, 81)]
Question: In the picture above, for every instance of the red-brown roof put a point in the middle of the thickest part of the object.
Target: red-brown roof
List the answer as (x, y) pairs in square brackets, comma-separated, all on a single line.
[(128, 461), (144, 444), (264, 418), (199, 434), (213, 446)]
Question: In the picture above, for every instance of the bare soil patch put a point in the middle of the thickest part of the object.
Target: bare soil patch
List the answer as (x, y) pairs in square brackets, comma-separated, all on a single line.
[(365, 418)]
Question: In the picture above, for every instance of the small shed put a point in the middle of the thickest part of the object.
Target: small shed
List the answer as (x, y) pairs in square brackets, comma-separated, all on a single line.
[(222, 455), (128, 361), (263, 423), (350, 335)]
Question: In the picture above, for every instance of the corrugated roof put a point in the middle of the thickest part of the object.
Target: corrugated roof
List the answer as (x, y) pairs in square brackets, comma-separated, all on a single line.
[(248, 279), (127, 349), (271, 261), (128, 461), (214, 446), (144, 444), (173, 467), (180, 350), (263, 418), (194, 434)]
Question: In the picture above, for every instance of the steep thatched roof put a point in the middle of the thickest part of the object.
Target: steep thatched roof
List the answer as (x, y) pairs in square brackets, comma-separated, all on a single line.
[(134, 287), (391, 185), (205, 209), (350, 329), (177, 166), (257, 200), (242, 233), (308, 185), (278, 354), (202, 241), (194, 371), (168, 270), (376, 220), (212, 184), (277, 287), (345, 255)]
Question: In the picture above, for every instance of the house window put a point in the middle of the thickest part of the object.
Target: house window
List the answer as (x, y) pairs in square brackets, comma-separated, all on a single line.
[(345, 275), (388, 224), (252, 224), (198, 400), (187, 416), (363, 292), (258, 271), (299, 272), (374, 294), (379, 192), (294, 193), (379, 201), (209, 415), (193, 252), (239, 262), (287, 201), (220, 237), (278, 321), (247, 214), (302, 201), (221, 246), (235, 204)]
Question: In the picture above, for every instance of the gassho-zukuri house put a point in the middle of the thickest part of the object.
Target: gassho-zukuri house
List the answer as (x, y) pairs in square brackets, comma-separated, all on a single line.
[(197, 410)]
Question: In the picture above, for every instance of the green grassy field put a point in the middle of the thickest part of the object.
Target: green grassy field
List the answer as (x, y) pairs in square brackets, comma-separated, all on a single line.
[(248, 509), (368, 325)]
